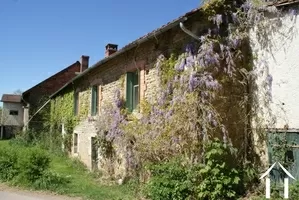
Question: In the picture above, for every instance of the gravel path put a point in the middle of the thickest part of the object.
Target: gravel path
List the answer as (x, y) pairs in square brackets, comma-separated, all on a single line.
[(7, 193)]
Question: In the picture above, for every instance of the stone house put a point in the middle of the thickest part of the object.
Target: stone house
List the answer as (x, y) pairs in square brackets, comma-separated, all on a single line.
[(132, 70), (12, 116), (38, 95)]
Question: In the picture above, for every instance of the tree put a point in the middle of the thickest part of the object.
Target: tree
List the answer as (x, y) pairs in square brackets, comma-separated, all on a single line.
[(18, 91)]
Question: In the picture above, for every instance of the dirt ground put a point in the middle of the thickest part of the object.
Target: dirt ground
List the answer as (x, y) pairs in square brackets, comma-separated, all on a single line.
[(9, 193)]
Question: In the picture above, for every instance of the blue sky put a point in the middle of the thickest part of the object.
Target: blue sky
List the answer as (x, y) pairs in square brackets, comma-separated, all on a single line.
[(40, 37)]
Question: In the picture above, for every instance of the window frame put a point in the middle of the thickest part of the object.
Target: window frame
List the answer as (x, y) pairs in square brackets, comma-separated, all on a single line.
[(94, 100), (132, 90)]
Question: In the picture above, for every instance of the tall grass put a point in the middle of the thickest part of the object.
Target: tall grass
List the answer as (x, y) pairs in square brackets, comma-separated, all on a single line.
[(43, 170)]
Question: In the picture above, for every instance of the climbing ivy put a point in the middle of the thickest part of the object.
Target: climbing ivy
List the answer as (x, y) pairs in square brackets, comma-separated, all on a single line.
[(62, 112)]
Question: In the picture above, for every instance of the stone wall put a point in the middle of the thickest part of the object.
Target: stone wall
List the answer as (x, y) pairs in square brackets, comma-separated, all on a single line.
[(12, 120), (110, 76)]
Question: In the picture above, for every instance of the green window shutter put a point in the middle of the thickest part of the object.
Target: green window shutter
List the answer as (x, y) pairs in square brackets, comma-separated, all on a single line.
[(129, 91), (76, 98), (94, 100)]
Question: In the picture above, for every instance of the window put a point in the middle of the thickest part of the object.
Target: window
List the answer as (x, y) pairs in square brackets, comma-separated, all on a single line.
[(94, 100), (13, 112), (76, 103), (75, 142), (132, 95)]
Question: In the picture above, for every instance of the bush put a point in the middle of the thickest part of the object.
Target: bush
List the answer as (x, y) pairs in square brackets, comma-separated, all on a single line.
[(34, 163), (219, 179), (51, 181), (169, 181), (8, 163), (216, 179)]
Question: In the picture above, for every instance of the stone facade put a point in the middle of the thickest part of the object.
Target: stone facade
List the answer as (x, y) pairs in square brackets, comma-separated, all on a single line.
[(110, 76)]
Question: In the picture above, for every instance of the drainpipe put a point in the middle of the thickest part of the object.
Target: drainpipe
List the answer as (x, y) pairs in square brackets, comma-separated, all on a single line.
[(188, 32)]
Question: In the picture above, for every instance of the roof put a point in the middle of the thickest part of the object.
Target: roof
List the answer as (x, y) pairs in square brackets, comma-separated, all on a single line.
[(133, 44), (65, 69), (13, 98), (146, 37)]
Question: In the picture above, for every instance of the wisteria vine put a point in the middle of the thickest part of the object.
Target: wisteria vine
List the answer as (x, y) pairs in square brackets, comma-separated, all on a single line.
[(187, 110)]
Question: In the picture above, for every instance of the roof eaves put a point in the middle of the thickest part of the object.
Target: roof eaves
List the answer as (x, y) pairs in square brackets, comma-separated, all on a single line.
[(130, 46)]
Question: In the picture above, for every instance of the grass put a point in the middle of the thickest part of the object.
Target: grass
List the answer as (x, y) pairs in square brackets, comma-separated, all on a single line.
[(83, 183)]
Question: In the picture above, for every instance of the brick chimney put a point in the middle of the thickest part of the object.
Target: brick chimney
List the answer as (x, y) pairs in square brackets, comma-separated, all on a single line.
[(110, 49), (84, 63)]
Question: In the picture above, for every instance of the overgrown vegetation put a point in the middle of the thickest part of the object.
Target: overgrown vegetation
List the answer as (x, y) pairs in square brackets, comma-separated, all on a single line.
[(194, 140), (35, 168), (202, 91), (28, 166), (178, 179)]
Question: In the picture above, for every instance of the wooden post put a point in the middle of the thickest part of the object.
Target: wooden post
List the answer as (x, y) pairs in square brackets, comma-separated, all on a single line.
[(268, 188), (286, 188)]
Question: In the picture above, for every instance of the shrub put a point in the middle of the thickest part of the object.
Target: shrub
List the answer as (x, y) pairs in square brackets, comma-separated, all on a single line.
[(219, 179), (34, 163), (169, 181), (51, 181), (216, 179), (8, 163)]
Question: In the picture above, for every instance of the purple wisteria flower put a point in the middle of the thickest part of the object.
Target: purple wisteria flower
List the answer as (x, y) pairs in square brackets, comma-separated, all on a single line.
[(190, 50), (180, 65), (207, 57), (169, 114), (235, 18), (169, 89), (190, 62), (192, 82), (246, 6), (218, 20), (162, 98), (117, 99)]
